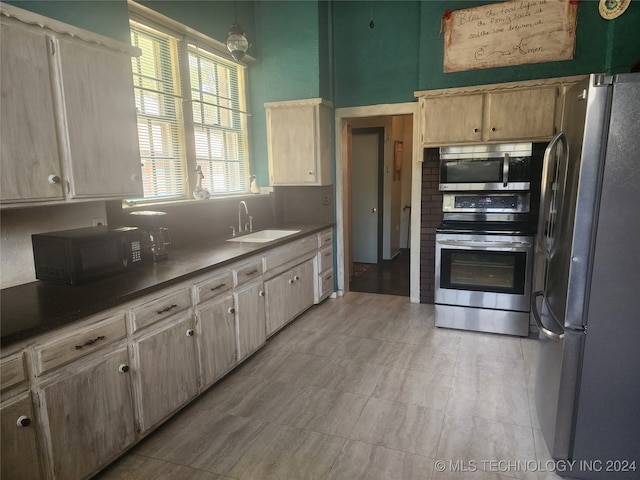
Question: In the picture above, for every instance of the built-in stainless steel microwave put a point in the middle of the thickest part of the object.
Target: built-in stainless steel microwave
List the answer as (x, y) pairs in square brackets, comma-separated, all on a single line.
[(486, 167), (84, 254)]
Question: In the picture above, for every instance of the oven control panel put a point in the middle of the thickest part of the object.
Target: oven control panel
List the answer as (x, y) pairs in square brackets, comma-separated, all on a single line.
[(496, 202)]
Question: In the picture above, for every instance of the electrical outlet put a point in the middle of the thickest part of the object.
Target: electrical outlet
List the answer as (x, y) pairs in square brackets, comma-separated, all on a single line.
[(98, 221), (326, 200)]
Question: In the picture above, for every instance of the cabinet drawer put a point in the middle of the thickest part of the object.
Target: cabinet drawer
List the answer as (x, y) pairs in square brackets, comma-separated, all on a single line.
[(325, 239), (214, 286), (325, 259), (71, 346), (290, 251), (326, 284), (12, 371), (246, 273), (159, 309)]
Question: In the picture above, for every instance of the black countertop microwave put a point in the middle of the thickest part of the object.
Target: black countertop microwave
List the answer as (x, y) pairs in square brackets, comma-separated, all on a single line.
[(78, 256)]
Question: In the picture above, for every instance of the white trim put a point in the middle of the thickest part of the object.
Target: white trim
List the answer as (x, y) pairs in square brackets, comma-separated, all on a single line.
[(342, 188)]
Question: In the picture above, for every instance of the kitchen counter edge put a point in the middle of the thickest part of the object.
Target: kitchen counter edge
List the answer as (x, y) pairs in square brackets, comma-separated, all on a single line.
[(38, 307)]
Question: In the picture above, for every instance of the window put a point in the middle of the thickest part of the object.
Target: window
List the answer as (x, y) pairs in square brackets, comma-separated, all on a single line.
[(190, 113)]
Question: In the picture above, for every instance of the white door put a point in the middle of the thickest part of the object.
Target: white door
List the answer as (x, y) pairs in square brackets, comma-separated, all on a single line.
[(364, 188)]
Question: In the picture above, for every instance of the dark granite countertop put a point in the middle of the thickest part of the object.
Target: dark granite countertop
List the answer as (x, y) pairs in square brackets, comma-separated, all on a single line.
[(37, 307)]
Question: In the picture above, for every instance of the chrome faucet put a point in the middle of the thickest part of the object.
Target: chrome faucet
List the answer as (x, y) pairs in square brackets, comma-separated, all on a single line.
[(246, 211)]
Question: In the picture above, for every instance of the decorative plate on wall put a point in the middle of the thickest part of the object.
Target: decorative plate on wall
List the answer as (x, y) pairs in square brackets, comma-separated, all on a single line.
[(610, 9)]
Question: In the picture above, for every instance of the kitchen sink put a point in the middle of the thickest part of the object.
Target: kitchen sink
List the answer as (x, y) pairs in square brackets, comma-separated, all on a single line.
[(263, 236)]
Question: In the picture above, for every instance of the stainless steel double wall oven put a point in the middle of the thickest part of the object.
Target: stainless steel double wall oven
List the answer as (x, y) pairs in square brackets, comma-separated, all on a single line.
[(485, 245)]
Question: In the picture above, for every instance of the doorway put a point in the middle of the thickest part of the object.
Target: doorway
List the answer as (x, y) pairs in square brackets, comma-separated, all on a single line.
[(367, 160), (379, 173)]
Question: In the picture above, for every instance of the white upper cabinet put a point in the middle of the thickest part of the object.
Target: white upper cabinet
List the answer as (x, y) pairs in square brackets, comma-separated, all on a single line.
[(97, 90), (298, 134), (517, 111), (29, 146), (68, 118)]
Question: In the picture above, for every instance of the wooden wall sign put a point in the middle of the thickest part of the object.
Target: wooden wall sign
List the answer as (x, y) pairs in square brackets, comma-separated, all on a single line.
[(510, 33)]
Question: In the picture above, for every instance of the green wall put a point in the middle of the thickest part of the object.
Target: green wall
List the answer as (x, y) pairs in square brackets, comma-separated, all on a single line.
[(404, 52)]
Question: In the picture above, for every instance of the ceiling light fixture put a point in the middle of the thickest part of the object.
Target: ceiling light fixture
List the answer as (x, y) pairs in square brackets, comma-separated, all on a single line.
[(237, 43)]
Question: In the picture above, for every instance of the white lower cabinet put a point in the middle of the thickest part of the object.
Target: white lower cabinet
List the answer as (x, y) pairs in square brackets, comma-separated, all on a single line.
[(217, 339), (250, 319), (165, 370), (89, 416), (102, 384), (18, 449), (288, 295)]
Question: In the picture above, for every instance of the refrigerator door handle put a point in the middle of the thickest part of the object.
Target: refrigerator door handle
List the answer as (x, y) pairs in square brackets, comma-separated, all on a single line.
[(536, 316), (543, 233)]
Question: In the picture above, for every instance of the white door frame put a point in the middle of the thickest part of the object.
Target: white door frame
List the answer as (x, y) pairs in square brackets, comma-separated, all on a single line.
[(342, 115)]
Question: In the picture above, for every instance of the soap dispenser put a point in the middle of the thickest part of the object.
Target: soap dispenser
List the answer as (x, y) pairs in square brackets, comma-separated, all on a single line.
[(254, 185)]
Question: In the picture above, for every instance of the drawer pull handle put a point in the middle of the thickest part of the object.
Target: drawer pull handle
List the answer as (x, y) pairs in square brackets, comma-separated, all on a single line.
[(23, 421), (164, 310), (251, 272), (231, 310), (190, 332), (218, 287), (123, 368), (90, 342)]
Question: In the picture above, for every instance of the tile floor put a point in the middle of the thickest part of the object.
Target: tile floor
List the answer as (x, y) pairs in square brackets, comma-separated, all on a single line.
[(359, 387)]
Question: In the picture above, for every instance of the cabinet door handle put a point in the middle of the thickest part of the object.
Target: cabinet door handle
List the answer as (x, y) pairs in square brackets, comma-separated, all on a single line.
[(291, 280), (123, 368), (53, 179), (296, 278), (231, 310), (190, 332), (262, 294), (251, 272), (476, 130), (218, 287), (90, 342), (328, 254), (23, 421), (164, 310)]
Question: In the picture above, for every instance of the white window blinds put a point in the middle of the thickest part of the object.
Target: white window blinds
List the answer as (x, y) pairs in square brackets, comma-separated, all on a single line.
[(218, 124), (157, 89)]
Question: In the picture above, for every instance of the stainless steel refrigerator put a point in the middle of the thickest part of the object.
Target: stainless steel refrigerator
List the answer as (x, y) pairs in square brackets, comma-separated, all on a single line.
[(588, 264)]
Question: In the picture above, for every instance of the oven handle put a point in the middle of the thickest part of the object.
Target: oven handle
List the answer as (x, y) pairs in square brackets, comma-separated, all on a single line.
[(462, 243), (536, 317)]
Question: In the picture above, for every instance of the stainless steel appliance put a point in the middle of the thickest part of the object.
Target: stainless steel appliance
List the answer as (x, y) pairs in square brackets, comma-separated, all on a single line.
[(85, 254), (587, 308), (487, 167), (483, 279), (155, 234)]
